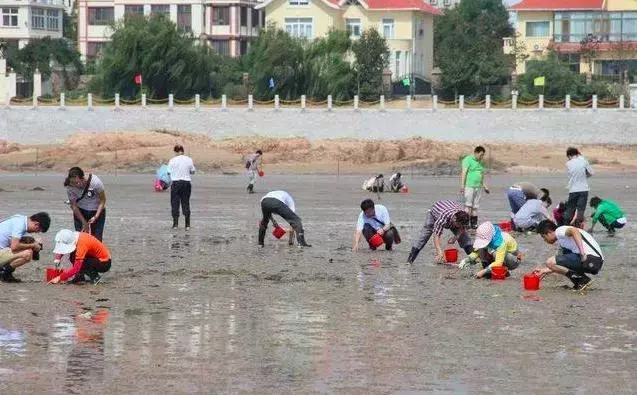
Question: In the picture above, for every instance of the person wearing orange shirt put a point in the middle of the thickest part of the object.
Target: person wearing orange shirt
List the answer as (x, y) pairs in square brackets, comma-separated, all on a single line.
[(88, 255)]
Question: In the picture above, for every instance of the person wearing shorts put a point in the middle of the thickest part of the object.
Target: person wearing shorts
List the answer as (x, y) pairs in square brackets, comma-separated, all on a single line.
[(15, 249), (580, 254), (472, 183)]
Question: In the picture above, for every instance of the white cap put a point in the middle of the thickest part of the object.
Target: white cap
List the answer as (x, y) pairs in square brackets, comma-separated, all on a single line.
[(65, 241)]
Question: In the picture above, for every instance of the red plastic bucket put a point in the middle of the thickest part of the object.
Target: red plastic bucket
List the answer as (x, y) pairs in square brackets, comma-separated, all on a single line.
[(261, 173), (278, 232), (531, 282), (451, 255), (405, 190), (498, 273), (505, 226), (376, 241), (52, 273)]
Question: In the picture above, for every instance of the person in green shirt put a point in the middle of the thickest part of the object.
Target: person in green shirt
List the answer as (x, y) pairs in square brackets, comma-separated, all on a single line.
[(608, 214), (472, 182)]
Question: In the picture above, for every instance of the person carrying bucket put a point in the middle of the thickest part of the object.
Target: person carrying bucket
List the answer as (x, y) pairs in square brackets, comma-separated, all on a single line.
[(375, 225), (180, 168), (493, 248), (472, 182), (282, 204), (444, 214), (519, 193), (89, 256), (580, 254), (532, 213), (608, 213), (15, 250), (162, 179), (396, 182), (87, 198), (253, 165)]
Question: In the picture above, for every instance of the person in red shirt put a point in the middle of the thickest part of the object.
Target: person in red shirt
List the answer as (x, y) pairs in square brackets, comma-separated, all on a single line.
[(88, 255)]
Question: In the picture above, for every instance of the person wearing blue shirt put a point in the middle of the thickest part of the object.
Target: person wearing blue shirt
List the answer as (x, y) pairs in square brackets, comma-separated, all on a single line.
[(14, 252), (374, 219)]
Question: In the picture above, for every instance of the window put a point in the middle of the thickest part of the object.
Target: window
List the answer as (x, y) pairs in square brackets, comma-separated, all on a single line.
[(184, 18), (538, 29), (388, 28), (298, 2), (572, 60), (52, 19), (353, 27), (130, 10), (397, 65), (221, 16), (299, 27), (243, 47), (255, 18), (101, 15), (244, 16), (222, 47), (434, 2), (10, 17), (160, 9), (94, 50), (37, 18)]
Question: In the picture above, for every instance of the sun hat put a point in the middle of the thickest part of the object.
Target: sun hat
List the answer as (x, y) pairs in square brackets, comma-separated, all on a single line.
[(484, 234), (65, 241)]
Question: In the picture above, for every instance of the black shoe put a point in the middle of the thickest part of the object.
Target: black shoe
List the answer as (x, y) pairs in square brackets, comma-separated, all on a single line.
[(413, 254), (94, 277), (581, 284), (78, 279), (611, 232), (175, 223), (7, 277)]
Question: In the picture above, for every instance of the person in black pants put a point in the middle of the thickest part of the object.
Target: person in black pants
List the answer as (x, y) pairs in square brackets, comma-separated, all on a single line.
[(281, 203), (180, 168), (87, 198)]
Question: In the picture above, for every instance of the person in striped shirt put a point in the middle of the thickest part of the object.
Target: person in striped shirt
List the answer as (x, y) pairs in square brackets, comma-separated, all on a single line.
[(444, 214)]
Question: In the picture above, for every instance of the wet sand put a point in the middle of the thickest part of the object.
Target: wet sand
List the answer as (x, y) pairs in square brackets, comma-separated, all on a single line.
[(209, 312)]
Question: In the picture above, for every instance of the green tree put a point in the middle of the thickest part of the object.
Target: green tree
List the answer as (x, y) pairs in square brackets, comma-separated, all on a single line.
[(39, 53), (69, 25), (372, 58)]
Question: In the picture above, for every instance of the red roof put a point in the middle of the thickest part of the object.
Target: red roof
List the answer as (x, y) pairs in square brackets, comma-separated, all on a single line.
[(556, 5), (402, 5)]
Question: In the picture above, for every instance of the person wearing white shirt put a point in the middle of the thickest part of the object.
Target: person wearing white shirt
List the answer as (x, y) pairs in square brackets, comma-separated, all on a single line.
[(579, 170), (581, 254), (252, 165), (282, 204), (180, 169), (396, 182), (374, 219)]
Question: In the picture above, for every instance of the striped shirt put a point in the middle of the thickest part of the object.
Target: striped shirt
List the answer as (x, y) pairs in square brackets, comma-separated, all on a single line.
[(443, 212)]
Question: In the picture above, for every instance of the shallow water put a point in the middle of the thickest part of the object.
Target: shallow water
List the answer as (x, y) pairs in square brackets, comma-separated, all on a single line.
[(208, 312)]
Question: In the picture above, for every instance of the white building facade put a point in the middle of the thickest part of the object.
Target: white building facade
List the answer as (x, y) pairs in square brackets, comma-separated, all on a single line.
[(23, 20)]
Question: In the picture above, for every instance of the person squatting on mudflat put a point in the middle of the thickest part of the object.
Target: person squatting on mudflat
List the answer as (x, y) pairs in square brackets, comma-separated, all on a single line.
[(180, 168), (282, 204), (608, 213), (580, 254), (396, 182), (375, 184), (493, 248), (87, 198), (520, 192), (532, 213), (15, 249), (252, 165), (472, 182), (89, 256), (579, 170), (444, 214), (374, 219)]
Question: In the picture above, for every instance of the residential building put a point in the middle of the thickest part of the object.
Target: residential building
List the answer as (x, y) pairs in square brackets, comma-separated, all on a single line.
[(592, 36), (443, 4), (407, 25), (227, 25), (20, 20)]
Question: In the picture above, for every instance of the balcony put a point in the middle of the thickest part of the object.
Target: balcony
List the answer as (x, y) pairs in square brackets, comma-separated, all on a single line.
[(59, 3)]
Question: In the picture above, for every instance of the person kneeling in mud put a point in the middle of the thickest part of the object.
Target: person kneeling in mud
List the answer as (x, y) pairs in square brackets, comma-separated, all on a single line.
[(375, 184), (89, 256), (444, 214), (396, 182), (374, 220), (580, 254), (608, 214), (493, 247), (281, 203)]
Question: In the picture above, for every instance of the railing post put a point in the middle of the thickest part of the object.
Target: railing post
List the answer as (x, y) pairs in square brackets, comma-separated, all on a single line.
[(567, 103), (171, 101), (514, 102), (197, 101), (117, 101), (144, 100), (34, 101), (250, 102), (277, 103), (355, 102), (89, 101), (622, 103), (487, 102), (408, 102), (540, 102), (382, 102), (461, 102), (329, 102), (303, 104), (224, 102), (7, 102), (594, 102), (434, 103), (62, 101)]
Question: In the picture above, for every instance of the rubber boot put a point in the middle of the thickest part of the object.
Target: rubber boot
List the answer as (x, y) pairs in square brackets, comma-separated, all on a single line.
[(250, 188), (187, 221), (474, 222), (6, 274), (300, 238), (261, 235), (175, 222), (413, 254)]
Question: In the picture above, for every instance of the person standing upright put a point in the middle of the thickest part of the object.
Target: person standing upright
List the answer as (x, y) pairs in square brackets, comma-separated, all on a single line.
[(253, 165), (579, 170), (88, 202), (180, 169), (472, 183)]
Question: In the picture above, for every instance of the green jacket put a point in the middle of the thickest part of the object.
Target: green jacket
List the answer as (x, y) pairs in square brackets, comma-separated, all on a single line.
[(608, 210)]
